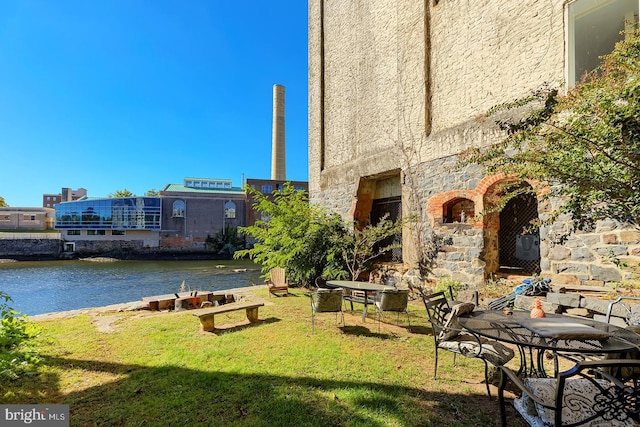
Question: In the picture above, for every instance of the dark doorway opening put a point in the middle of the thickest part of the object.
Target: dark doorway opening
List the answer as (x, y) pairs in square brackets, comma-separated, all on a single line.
[(518, 241), (392, 207)]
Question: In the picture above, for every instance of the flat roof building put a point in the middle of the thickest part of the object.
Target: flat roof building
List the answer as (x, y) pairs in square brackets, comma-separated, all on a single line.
[(16, 218)]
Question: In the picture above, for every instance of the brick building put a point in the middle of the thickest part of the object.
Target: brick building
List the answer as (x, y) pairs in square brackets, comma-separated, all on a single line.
[(15, 218), (66, 195), (198, 208)]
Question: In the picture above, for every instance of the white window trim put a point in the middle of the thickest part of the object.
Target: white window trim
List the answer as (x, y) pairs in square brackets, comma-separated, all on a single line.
[(569, 65)]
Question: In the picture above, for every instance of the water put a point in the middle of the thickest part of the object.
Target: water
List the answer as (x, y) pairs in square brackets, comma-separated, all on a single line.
[(38, 287)]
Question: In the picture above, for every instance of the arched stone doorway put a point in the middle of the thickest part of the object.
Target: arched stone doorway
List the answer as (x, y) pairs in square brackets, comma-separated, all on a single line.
[(519, 242)]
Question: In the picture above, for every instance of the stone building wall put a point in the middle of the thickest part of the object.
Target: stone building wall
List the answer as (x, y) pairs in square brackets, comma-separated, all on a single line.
[(591, 256), (404, 86), (384, 75), (101, 247)]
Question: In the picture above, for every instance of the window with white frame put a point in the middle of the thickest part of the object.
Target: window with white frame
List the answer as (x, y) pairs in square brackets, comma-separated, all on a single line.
[(229, 210), (178, 208), (594, 27)]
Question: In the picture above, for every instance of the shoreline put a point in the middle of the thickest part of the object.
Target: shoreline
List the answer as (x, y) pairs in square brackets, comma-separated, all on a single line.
[(125, 306), (192, 255)]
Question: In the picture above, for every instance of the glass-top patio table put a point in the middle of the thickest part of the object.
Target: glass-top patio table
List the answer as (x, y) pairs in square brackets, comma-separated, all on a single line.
[(555, 333), (365, 287)]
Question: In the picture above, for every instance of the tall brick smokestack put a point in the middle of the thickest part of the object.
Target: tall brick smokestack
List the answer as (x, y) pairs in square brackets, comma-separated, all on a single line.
[(278, 161)]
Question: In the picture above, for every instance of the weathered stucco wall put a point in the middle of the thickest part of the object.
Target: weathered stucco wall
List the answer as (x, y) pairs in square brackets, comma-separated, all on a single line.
[(384, 75), (374, 60), (487, 53)]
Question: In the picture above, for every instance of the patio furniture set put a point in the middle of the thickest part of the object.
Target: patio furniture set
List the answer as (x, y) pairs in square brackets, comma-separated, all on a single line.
[(330, 296), (600, 388)]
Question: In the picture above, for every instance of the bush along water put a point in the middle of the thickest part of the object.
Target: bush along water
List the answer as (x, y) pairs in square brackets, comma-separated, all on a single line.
[(18, 355)]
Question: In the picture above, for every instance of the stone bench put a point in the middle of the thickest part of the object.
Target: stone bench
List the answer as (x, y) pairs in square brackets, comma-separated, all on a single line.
[(207, 315)]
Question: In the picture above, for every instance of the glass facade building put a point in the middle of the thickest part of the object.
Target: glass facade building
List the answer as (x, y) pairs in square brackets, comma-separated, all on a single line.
[(122, 213)]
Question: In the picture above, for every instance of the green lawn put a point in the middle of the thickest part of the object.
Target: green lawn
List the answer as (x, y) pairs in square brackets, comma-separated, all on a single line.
[(160, 369)]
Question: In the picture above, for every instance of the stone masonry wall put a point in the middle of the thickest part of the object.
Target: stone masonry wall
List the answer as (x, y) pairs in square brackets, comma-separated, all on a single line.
[(591, 255), (30, 248)]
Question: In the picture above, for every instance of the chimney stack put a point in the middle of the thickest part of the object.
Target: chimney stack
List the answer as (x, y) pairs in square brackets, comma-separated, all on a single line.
[(278, 161)]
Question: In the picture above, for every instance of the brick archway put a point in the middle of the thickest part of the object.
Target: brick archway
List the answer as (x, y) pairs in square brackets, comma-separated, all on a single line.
[(436, 205), (484, 198)]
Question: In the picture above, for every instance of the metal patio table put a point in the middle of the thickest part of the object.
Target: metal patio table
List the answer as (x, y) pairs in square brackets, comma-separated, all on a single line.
[(365, 287), (513, 329)]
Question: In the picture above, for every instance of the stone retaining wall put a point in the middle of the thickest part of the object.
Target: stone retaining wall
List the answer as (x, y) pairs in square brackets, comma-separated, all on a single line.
[(10, 248), (624, 313)]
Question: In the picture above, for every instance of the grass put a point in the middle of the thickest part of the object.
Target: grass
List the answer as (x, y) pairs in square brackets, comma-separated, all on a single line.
[(159, 369)]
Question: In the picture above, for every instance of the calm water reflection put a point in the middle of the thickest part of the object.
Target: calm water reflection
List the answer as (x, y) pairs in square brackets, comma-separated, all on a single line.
[(38, 287)]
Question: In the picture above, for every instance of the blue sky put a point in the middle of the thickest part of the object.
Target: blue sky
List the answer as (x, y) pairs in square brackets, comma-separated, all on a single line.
[(135, 94)]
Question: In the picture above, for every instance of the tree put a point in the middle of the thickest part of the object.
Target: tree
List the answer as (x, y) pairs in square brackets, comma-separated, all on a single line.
[(121, 193), (2, 202), (226, 241), (151, 193), (360, 248), (584, 145), (309, 242), (291, 234)]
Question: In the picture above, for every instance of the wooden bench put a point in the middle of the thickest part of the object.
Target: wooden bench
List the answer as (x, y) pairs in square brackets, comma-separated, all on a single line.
[(207, 315)]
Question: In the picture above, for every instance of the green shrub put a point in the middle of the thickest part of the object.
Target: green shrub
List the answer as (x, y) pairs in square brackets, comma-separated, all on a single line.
[(18, 355), (308, 241), (445, 283), (226, 241)]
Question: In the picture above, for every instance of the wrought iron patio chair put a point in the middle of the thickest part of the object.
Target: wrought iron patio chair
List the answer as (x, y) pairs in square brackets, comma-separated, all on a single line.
[(632, 316), (326, 301), (632, 321), (392, 300), (594, 393), (448, 335), (321, 283)]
